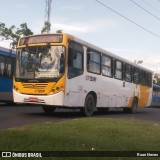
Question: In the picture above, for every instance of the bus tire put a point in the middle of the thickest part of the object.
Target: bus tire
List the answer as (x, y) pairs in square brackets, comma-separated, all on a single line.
[(48, 109), (134, 106), (89, 105)]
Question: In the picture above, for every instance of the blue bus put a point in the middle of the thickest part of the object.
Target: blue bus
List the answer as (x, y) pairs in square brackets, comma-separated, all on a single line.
[(156, 95), (7, 69)]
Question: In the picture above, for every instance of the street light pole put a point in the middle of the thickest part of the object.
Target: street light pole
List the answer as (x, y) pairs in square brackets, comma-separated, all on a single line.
[(138, 62)]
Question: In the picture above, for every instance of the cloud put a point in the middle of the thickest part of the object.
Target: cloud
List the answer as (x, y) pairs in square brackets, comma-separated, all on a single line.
[(153, 63), (85, 27), (71, 8), (70, 28), (5, 43)]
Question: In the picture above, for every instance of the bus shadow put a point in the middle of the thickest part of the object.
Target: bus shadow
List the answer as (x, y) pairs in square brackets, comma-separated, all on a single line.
[(71, 114), (36, 112), (57, 114)]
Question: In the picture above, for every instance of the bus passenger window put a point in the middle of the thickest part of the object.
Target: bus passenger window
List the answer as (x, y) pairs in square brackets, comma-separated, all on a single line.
[(136, 73), (118, 70), (93, 62), (158, 94), (106, 66), (75, 60), (143, 77), (128, 73), (149, 79), (2, 66), (154, 93), (9, 68)]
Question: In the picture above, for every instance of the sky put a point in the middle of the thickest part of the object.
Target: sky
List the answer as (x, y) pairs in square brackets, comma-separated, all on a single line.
[(128, 28)]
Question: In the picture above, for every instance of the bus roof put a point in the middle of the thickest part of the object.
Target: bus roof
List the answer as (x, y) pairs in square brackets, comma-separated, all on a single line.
[(7, 52), (109, 53), (155, 86), (89, 45)]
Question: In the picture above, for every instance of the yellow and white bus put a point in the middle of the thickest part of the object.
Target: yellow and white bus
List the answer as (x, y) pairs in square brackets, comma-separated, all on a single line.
[(60, 70)]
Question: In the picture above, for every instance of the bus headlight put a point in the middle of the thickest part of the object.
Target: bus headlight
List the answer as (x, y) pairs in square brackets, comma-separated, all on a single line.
[(16, 88), (57, 89)]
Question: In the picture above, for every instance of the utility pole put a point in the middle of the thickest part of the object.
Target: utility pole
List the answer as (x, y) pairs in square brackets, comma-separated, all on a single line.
[(48, 11), (47, 24)]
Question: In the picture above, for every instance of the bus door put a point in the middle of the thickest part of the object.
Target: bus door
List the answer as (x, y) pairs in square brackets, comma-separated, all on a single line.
[(126, 93), (120, 95), (74, 83), (119, 83), (130, 75)]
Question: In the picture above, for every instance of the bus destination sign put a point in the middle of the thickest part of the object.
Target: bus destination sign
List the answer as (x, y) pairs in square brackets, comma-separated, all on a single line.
[(41, 39)]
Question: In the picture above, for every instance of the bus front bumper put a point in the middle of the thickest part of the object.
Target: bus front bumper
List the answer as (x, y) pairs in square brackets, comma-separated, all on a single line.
[(55, 99)]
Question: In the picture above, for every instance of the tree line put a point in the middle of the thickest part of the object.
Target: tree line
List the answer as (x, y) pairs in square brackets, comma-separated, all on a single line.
[(13, 33)]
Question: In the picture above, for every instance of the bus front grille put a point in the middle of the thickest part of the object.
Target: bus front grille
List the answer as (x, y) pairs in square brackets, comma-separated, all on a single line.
[(34, 85)]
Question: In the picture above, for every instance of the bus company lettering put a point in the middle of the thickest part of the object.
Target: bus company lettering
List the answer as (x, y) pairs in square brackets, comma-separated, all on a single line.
[(90, 78)]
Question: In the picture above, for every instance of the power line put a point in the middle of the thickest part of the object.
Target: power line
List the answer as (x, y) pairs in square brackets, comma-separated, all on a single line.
[(151, 6), (147, 30), (145, 10)]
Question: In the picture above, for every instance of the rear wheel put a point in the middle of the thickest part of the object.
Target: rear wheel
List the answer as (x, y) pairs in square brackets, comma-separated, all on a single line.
[(89, 105), (134, 106), (48, 109)]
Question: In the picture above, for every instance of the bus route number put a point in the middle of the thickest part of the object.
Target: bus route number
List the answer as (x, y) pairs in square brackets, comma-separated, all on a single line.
[(90, 78)]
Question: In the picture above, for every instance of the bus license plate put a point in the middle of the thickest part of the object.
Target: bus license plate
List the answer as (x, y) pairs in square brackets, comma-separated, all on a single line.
[(33, 99)]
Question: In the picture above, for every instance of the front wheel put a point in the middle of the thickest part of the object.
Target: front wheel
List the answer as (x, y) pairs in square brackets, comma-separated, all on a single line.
[(89, 105), (48, 109)]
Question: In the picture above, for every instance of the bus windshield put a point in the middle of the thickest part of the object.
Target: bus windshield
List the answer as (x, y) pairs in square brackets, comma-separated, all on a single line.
[(40, 63)]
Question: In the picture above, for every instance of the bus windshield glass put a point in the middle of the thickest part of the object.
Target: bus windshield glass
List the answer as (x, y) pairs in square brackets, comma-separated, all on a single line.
[(40, 63)]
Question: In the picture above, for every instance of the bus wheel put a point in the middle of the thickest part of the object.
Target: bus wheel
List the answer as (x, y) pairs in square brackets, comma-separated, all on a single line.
[(48, 109), (89, 105), (134, 106)]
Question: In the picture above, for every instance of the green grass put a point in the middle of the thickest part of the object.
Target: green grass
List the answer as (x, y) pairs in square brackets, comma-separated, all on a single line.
[(101, 134)]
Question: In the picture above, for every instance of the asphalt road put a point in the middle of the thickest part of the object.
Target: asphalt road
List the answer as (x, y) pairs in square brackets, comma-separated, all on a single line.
[(17, 116)]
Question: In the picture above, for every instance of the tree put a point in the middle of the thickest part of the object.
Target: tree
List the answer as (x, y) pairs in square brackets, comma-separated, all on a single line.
[(12, 33), (59, 31), (156, 79), (46, 28)]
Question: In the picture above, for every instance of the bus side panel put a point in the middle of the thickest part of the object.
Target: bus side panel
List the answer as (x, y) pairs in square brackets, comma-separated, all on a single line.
[(6, 89), (145, 96), (107, 91), (75, 92), (156, 95), (114, 92), (155, 101)]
